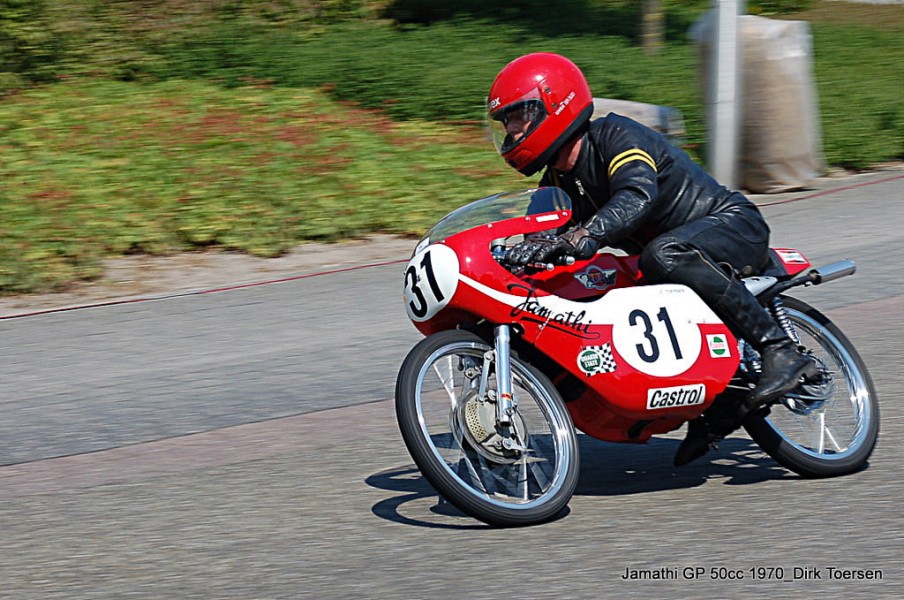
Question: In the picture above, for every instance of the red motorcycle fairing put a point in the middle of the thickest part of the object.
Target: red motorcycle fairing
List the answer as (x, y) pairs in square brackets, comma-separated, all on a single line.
[(588, 280), (654, 353), (651, 357)]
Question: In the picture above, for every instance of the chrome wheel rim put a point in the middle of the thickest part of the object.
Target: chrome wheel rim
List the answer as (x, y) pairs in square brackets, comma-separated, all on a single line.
[(837, 424), (520, 479)]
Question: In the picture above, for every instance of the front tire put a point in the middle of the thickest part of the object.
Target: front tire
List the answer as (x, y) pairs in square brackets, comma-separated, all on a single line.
[(829, 428), (454, 438)]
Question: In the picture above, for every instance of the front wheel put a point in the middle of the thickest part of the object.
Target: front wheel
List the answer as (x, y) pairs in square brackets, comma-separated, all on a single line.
[(828, 426), (504, 475)]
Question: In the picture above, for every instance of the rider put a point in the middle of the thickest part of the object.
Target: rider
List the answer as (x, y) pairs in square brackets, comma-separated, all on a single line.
[(632, 189)]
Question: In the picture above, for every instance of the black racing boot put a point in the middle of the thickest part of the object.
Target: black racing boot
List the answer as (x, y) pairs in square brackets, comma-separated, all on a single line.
[(699, 440), (783, 366), (706, 431)]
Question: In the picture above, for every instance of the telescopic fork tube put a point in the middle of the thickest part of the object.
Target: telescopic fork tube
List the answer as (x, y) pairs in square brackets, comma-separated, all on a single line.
[(505, 406)]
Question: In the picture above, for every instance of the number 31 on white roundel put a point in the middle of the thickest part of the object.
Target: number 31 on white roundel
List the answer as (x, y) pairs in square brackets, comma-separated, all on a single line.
[(431, 279), (659, 334)]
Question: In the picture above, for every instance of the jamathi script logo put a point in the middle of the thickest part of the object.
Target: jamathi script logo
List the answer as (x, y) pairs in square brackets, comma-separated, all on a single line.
[(572, 323)]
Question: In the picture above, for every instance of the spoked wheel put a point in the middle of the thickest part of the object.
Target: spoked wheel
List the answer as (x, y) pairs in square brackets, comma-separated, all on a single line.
[(829, 425), (504, 475)]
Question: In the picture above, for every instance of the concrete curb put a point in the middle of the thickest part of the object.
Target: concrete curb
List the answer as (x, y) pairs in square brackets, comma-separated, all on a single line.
[(135, 279)]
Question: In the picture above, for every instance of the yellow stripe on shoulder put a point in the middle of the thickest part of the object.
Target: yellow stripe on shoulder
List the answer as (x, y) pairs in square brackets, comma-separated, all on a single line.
[(629, 156)]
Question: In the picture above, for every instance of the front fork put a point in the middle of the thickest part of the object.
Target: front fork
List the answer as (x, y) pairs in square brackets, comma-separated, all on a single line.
[(505, 404), (501, 355)]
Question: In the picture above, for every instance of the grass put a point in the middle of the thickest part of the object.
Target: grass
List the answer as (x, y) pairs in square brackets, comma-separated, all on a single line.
[(859, 86), (98, 168), (257, 135)]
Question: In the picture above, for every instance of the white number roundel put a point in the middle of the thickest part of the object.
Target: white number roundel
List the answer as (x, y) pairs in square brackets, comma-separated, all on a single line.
[(658, 333), (431, 279)]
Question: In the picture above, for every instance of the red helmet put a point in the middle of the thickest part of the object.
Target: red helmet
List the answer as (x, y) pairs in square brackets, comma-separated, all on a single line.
[(556, 103)]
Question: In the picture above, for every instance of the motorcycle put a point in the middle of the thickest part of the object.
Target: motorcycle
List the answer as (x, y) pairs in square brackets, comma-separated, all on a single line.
[(516, 360)]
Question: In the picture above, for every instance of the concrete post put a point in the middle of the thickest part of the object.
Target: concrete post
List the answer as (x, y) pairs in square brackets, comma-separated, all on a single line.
[(723, 112)]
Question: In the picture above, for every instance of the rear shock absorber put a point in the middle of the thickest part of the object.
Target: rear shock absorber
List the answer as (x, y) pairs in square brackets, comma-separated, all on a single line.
[(781, 316)]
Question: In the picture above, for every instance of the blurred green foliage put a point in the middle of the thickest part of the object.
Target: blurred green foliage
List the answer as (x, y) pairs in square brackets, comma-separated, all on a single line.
[(96, 168), (433, 59), (860, 91), (29, 48), (160, 126), (777, 7)]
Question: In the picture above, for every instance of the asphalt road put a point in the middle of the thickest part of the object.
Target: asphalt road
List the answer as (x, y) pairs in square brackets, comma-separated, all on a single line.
[(242, 444)]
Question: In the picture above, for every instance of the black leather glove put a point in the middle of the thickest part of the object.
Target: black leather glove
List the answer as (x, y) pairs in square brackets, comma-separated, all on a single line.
[(539, 248), (546, 248), (583, 243)]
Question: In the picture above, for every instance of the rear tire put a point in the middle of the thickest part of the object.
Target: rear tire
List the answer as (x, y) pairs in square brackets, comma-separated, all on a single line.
[(453, 436), (835, 434)]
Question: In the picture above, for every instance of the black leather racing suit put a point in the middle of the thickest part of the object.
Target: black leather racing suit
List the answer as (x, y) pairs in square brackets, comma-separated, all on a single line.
[(633, 189)]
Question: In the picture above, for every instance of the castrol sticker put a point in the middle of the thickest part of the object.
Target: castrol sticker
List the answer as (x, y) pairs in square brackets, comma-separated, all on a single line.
[(718, 346), (676, 397)]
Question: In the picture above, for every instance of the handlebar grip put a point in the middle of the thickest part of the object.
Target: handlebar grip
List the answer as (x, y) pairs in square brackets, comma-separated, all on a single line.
[(541, 266), (558, 262)]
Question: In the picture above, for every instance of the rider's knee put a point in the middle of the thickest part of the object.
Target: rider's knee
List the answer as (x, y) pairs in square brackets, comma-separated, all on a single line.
[(661, 257)]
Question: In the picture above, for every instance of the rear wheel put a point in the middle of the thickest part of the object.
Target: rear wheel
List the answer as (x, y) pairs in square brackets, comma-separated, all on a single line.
[(827, 426), (518, 474)]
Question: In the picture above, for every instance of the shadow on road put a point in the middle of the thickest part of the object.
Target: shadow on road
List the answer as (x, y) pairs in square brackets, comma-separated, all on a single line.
[(409, 480), (606, 470), (619, 469)]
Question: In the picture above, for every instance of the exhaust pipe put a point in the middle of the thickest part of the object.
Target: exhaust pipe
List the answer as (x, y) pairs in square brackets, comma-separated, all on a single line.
[(831, 272), (816, 276)]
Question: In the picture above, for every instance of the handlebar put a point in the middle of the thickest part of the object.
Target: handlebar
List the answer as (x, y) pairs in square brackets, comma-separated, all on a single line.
[(498, 252), (562, 261)]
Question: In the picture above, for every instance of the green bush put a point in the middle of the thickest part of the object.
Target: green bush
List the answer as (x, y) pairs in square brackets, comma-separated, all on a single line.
[(416, 59), (859, 87), (29, 49), (603, 18), (768, 7), (408, 72), (254, 125)]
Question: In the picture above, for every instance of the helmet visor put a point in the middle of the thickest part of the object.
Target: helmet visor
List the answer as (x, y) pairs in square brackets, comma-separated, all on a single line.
[(512, 124)]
